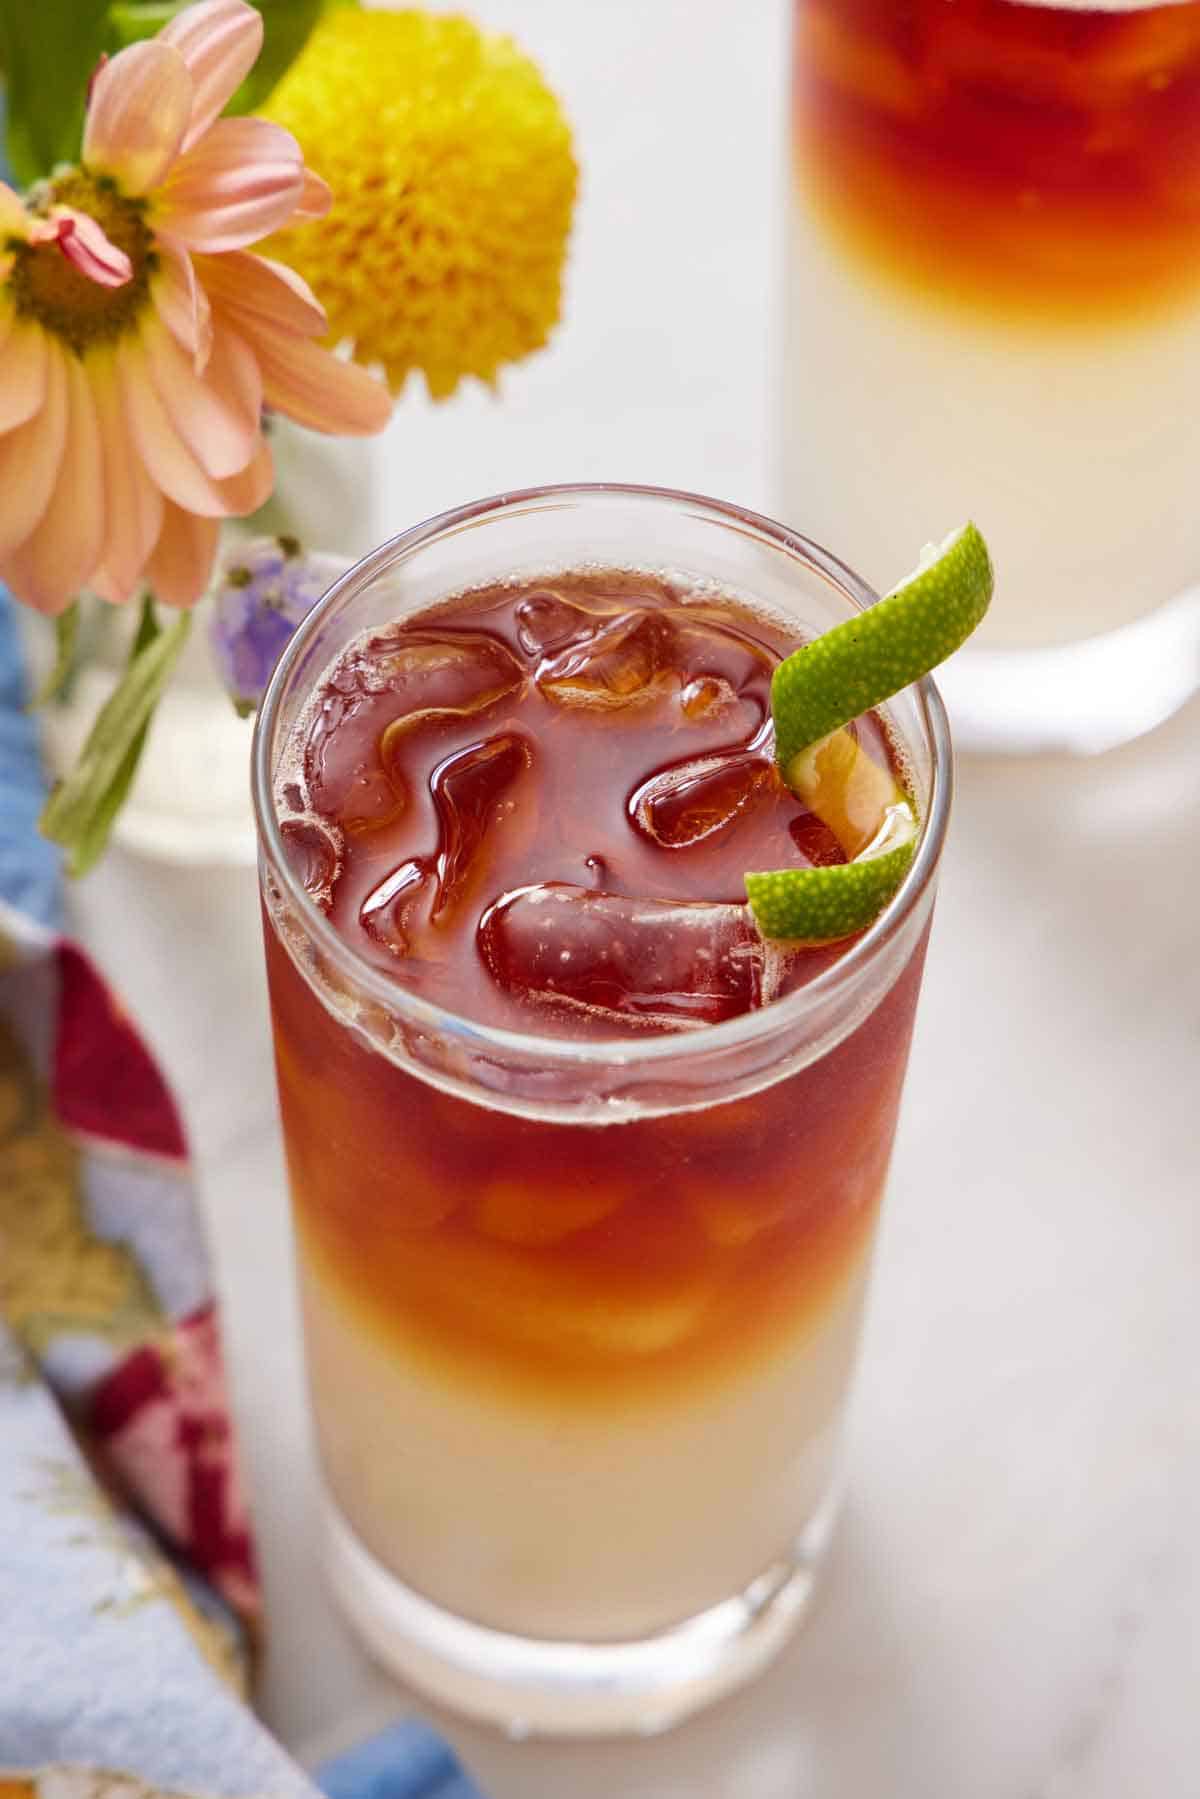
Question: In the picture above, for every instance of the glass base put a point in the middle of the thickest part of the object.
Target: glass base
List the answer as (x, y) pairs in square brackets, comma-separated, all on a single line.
[(531, 1687), (1080, 698)]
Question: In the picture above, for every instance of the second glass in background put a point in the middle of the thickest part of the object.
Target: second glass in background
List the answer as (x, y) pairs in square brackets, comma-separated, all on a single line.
[(993, 308)]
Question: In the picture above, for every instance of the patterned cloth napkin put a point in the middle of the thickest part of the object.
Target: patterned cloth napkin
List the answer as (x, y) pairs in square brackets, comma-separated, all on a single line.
[(129, 1605)]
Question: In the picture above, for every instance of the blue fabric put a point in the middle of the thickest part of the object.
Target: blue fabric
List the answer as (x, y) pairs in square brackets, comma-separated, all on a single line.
[(103, 1665), (30, 867), (407, 1761)]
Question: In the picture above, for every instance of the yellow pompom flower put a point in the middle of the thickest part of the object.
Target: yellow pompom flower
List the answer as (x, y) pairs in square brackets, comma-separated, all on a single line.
[(454, 182)]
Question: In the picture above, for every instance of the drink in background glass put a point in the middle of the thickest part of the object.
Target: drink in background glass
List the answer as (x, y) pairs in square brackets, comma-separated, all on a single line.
[(993, 299), (583, 1222)]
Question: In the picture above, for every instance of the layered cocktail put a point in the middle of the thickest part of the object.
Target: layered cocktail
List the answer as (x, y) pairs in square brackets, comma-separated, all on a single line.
[(994, 298), (585, 1171)]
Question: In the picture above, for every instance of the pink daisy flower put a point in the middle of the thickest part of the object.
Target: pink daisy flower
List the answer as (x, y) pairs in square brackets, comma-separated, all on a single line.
[(140, 338)]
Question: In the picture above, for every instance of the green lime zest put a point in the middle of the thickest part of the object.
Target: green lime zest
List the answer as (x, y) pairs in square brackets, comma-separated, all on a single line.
[(861, 663), (815, 693), (823, 905)]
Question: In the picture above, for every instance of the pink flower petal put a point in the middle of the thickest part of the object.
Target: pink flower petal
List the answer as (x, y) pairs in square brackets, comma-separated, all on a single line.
[(55, 560), (23, 387), (107, 587), (269, 290), (139, 110), (235, 374), (316, 196), (219, 41), (182, 302), (217, 428), (240, 182), (168, 461), (30, 458), (181, 566), (246, 492), (85, 245), (316, 388), (135, 506)]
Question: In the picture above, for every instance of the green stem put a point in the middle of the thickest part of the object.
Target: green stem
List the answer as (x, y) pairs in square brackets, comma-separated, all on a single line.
[(83, 807)]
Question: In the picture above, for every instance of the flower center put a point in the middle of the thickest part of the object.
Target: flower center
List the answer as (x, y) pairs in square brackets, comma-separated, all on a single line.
[(48, 288)]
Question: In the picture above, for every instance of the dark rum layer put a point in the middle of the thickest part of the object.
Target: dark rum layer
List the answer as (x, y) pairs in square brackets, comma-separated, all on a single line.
[(1010, 156), (600, 743)]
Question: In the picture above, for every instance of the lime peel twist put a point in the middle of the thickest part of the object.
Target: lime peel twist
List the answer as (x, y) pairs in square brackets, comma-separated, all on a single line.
[(820, 689)]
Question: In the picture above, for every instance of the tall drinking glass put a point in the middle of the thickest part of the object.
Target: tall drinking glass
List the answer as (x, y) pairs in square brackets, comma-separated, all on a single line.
[(993, 307), (581, 1311)]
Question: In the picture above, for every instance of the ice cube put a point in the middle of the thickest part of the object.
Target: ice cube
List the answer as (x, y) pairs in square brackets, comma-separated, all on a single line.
[(731, 1219), (547, 620), (314, 856), (392, 911), (471, 793), (673, 963), (695, 800), (711, 645), (615, 661), (816, 842), (705, 695), (440, 671), (345, 778), (537, 1217)]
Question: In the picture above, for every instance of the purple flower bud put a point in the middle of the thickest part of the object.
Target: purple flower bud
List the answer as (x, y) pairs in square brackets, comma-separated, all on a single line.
[(266, 588)]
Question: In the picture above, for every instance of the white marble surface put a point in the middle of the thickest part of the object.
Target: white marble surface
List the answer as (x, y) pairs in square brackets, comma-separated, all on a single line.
[(1013, 1607)]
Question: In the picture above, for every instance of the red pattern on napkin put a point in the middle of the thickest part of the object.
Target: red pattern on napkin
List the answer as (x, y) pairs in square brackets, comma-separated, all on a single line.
[(113, 1212), (105, 1083), (161, 1422)]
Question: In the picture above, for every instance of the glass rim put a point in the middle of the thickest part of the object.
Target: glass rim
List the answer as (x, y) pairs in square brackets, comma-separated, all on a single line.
[(661, 1046)]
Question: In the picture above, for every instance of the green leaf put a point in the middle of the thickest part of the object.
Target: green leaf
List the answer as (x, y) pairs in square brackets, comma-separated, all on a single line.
[(66, 637), (93, 840), (48, 49), (80, 812), (287, 26), (148, 628), (131, 20)]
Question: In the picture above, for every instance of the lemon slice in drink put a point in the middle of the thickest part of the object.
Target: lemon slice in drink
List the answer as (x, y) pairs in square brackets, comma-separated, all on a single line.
[(817, 691)]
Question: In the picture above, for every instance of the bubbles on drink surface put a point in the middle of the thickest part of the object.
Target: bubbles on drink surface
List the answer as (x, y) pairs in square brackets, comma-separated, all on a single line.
[(537, 802)]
